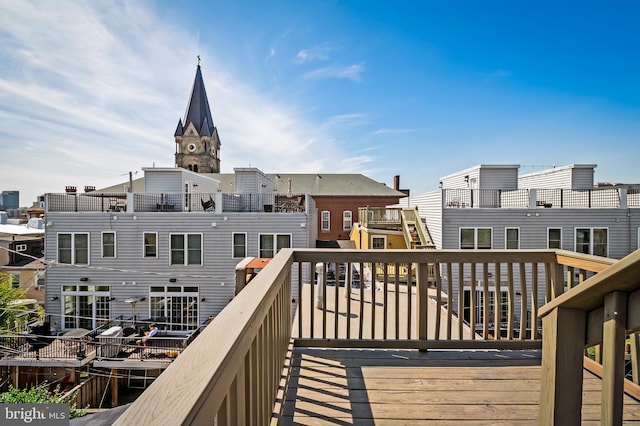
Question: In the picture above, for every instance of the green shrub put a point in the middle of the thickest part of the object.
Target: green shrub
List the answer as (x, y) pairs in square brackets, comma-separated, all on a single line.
[(42, 395)]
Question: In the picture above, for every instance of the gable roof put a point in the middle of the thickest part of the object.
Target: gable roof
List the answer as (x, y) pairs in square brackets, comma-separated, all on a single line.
[(319, 184), (314, 184)]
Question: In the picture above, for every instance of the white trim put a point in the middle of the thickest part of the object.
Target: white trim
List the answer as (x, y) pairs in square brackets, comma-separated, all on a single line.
[(115, 246), (554, 227), (233, 245), (185, 248), (344, 220), (73, 247), (322, 221), (275, 242), (373, 237), (144, 254), (506, 229), (475, 237), (590, 228)]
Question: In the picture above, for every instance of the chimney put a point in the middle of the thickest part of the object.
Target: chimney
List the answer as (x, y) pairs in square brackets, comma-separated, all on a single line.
[(396, 182), (89, 188), (71, 189)]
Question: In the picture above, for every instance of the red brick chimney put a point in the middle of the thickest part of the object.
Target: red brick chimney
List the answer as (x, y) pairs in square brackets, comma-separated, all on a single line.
[(71, 189), (89, 188)]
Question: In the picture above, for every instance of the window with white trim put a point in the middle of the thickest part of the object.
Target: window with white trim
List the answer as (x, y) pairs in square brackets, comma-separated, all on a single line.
[(512, 238), (150, 241), (347, 220), (592, 241), (108, 244), (186, 249), (174, 307), (85, 306), (475, 238), (378, 242), (270, 244), (325, 220), (554, 238), (73, 248), (239, 245)]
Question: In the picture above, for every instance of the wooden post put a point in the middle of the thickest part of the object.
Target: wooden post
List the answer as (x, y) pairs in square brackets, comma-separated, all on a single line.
[(613, 341), (562, 353), (557, 281), (114, 387), (422, 300)]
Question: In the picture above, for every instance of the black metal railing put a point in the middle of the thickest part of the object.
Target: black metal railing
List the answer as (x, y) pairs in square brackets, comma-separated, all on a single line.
[(87, 202)]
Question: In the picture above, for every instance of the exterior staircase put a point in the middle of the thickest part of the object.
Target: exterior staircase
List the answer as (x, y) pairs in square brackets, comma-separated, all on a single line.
[(416, 234)]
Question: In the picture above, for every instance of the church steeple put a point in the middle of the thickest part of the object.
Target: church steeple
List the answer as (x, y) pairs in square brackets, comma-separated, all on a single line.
[(197, 141)]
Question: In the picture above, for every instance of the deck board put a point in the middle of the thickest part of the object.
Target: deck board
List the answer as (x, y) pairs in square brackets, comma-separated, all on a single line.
[(393, 387)]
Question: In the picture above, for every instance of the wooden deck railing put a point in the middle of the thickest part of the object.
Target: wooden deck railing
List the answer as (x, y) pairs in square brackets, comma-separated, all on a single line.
[(233, 370), (602, 309)]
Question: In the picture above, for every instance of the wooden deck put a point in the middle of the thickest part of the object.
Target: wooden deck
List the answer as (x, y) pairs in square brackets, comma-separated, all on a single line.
[(408, 387)]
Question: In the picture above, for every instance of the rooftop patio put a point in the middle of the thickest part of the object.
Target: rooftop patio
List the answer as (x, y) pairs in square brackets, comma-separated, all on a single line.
[(394, 351)]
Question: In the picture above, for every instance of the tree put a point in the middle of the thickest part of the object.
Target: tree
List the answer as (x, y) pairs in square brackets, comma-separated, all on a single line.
[(42, 395), (11, 310)]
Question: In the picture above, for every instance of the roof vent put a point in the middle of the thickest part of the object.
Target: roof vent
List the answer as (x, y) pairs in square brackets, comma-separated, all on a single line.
[(89, 188), (71, 189)]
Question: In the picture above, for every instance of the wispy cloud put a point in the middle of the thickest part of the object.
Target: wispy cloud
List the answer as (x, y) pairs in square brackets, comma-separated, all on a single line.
[(89, 91), (312, 54), (393, 131), (350, 72)]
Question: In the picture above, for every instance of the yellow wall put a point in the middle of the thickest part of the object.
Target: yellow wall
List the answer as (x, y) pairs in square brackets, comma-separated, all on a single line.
[(362, 238)]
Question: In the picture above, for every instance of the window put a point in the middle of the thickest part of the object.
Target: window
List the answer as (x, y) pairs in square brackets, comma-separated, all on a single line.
[(85, 306), (186, 249), (270, 241), (239, 245), (554, 238), (479, 308), (475, 238), (73, 249), (592, 241), (150, 244), (108, 244), (177, 306), (347, 221), (325, 220), (379, 242), (512, 238)]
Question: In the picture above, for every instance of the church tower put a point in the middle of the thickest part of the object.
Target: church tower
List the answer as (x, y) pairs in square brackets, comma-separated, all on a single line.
[(197, 141)]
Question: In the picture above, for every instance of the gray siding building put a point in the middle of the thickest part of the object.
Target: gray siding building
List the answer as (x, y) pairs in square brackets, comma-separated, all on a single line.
[(167, 254)]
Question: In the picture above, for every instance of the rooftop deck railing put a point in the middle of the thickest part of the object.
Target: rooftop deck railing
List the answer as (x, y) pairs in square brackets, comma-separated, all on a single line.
[(233, 371), (545, 198), (176, 202), (379, 216)]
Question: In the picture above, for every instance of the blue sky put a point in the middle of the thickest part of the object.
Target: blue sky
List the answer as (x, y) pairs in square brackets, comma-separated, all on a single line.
[(92, 90)]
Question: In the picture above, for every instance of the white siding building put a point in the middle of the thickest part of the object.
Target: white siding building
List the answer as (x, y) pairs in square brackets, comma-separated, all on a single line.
[(167, 254), (491, 207)]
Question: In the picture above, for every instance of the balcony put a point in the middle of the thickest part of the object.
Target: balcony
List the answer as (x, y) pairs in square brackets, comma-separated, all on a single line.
[(172, 202), (395, 351)]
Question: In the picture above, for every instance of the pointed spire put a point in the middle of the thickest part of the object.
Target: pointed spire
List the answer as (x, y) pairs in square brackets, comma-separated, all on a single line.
[(178, 129), (198, 111)]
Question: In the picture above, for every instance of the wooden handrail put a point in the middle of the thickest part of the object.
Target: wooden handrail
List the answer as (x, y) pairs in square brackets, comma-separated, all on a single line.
[(246, 343), (232, 371), (603, 308)]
